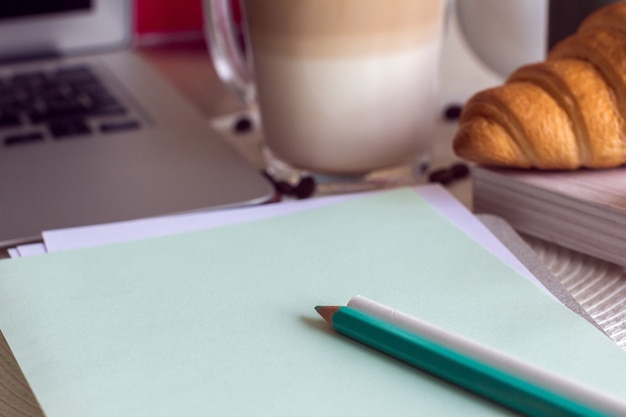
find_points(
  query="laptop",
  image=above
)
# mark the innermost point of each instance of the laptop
(90, 134)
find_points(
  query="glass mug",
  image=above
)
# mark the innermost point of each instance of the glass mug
(344, 88)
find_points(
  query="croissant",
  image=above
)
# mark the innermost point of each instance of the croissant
(564, 113)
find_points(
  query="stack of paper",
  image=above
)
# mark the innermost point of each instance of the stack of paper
(581, 210)
(221, 321)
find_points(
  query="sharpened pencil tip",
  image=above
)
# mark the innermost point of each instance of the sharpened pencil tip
(327, 312)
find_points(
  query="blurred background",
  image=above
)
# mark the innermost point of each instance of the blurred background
(492, 28)
(160, 20)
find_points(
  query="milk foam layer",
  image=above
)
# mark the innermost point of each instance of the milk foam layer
(351, 115)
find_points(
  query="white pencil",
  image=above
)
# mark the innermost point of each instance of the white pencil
(542, 377)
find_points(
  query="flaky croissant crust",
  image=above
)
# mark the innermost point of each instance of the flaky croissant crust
(566, 112)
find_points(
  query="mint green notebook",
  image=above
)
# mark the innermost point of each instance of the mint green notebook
(221, 322)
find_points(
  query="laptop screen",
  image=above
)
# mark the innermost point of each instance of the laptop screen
(25, 8)
(40, 28)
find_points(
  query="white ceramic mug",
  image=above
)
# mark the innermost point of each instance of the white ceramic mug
(505, 34)
(344, 87)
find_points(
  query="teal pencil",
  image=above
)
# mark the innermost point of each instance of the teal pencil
(497, 385)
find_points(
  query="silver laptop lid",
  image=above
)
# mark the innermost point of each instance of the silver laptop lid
(42, 28)
(171, 162)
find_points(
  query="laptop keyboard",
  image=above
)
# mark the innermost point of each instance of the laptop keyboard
(60, 103)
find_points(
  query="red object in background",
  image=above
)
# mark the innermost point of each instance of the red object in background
(236, 8)
(166, 16)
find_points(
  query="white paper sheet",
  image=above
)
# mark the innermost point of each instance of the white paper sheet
(221, 321)
(95, 235)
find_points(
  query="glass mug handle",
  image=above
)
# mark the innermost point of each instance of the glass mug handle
(226, 38)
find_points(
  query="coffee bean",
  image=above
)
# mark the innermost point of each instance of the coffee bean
(445, 176)
(453, 112)
(460, 170)
(305, 188)
(243, 125)
(284, 188)
(442, 176)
